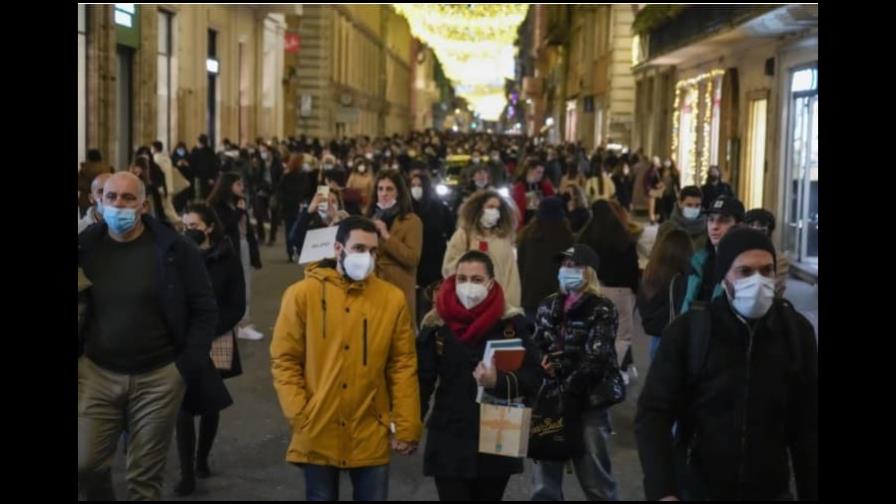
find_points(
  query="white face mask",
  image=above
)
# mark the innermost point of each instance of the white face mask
(417, 193)
(690, 213)
(358, 266)
(386, 206)
(369, 155)
(470, 294)
(490, 217)
(753, 296)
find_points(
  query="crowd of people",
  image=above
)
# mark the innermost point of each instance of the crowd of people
(538, 242)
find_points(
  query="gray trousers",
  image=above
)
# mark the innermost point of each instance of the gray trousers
(108, 403)
(592, 469)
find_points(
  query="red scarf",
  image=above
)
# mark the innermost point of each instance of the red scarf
(469, 326)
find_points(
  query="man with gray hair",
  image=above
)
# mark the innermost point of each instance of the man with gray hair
(150, 320)
(94, 214)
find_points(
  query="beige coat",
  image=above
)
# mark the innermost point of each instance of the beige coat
(398, 257)
(502, 253)
(592, 189)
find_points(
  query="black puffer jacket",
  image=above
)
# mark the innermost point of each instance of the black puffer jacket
(226, 273)
(438, 227)
(754, 400)
(452, 440)
(586, 336)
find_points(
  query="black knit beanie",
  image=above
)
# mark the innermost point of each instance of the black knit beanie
(738, 241)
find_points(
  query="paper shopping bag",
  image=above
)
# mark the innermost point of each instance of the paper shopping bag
(504, 430)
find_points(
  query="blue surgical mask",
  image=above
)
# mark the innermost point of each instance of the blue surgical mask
(690, 213)
(120, 220)
(571, 279)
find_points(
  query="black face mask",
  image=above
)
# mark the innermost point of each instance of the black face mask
(197, 236)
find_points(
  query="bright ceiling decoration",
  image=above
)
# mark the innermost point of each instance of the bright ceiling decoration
(474, 43)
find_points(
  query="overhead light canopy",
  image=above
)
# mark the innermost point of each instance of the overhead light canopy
(474, 43)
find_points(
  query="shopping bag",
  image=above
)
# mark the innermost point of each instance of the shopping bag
(504, 429)
(557, 430)
(222, 351)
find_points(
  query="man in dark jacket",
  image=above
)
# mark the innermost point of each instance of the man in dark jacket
(148, 332)
(739, 377)
(204, 163)
(687, 217)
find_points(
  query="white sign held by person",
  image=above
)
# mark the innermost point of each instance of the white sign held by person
(318, 245)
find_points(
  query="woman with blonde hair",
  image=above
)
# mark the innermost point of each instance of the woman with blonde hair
(487, 222)
(575, 329)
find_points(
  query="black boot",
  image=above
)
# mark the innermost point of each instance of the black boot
(208, 428)
(186, 486)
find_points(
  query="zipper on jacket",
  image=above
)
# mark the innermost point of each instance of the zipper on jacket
(743, 430)
(365, 341)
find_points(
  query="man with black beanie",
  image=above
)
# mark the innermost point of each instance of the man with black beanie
(739, 378)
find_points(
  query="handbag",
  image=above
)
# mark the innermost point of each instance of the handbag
(179, 183)
(222, 351)
(557, 431)
(504, 429)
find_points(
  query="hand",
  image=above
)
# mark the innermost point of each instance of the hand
(404, 447)
(382, 228)
(315, 202)
(241, 204)
(670, 498)
(486, 376)
(548, 367)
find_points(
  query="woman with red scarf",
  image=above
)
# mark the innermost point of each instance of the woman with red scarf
(470, 311)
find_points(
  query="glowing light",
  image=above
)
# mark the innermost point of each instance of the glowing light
(549, 121)
(504, 191)
(442, 189)
(474, 44)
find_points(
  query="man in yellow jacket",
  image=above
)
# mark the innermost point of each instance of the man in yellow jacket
(344, 363)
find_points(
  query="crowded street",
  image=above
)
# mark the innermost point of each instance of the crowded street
(423, 252)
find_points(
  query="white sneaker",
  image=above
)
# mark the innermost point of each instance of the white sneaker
(250, 333)
(625, 378)
(633, 371)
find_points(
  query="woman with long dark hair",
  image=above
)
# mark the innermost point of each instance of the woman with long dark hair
(203, 227)
(229, 202)
(664, 284)
(618, 272)
(530, 188)
(547, 235)
(401, 235)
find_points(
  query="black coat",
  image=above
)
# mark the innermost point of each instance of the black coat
(188, 308)
(226, 273)
(289, 193)
(536, 249)
(230, 219)
(204, 163)
(452, 441)
(438, 227)
(655, 314)
(616, 269)
(755, 400)
(713, 191)
(578, 218)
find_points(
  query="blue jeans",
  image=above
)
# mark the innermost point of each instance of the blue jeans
(369, 483)
(592, 469)
(654, 346)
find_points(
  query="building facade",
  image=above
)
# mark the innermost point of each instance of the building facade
(577, 78)
(171, 72)
(737, 87)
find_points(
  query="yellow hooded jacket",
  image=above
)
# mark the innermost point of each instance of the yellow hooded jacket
(344, 363)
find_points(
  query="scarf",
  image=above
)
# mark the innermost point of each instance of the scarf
(469, 326)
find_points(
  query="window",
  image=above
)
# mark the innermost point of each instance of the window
(716, 121)
(755, 155)
(805, 80)
(82, 82)
(164, 87)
